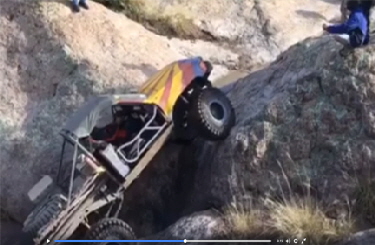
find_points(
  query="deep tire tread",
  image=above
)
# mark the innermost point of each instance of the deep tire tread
(47, 212)
(105, 227)
(205, 127)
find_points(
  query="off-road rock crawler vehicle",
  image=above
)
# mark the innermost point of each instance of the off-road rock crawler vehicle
(111, 139)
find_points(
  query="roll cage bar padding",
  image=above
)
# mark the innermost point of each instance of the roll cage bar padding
(137, 139)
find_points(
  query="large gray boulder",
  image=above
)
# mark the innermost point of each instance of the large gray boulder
(305, 128)
(256, 31)
(306, 120)
(203, 225)
(51, 61)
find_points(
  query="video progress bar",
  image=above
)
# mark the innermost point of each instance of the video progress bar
(184, 241)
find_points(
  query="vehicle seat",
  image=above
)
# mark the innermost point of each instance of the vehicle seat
(112, 133)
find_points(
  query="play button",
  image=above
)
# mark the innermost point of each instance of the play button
(48, 240)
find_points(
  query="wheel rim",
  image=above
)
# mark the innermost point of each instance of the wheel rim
(217, 111)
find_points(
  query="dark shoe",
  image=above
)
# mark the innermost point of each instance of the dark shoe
(84, 5)
(75, 8)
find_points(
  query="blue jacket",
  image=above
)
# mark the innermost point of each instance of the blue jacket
(358, 19)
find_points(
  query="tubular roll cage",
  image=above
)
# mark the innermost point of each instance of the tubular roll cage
(137, 140)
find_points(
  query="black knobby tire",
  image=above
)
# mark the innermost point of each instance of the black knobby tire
(110, 229)
(43, 214)
(212, 114)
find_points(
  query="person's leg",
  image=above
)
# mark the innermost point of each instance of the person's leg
(75, 4)
(83, 3)
(344, 39)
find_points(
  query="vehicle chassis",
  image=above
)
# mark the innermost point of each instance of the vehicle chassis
(93, 195)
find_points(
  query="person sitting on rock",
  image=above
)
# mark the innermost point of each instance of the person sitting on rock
(77, 3)
(354, 32)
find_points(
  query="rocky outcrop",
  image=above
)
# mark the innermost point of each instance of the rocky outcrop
(203, 225)
(306, 120)
(51, 60)
(304, 129)
(257, 31)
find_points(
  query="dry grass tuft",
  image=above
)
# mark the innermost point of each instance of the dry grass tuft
(244, 222)
(291, 217)
(303, 218)
(297, 218)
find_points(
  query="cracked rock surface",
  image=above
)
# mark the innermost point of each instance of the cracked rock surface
(257, 31)
(52, 60)
(304, 127)
(305, 119)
